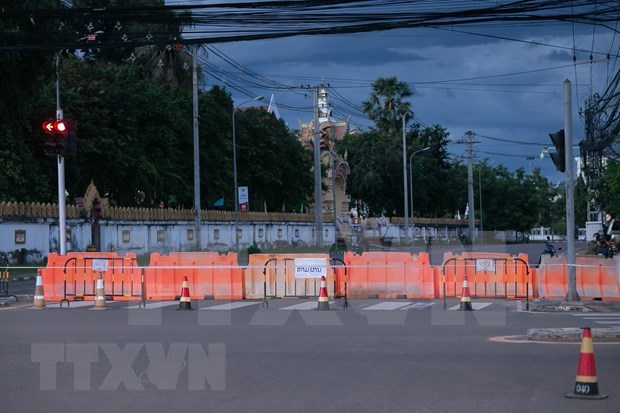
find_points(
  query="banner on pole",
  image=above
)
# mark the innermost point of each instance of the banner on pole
(310, 267)
(244, 198)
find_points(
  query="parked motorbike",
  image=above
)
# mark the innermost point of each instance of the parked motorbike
(605, 245)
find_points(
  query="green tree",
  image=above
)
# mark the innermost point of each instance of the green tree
(438, 190)
(272, 162)
(608, 187)
(387, 104)
(376, 170)
(127, 132)
(22, 75)
(516, 200)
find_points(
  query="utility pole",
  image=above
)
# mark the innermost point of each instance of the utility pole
(197, 215)
(318, 195)
(469, 141)
(333, 161)
(406, 209)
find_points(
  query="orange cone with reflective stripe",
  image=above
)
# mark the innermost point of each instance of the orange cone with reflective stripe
(185, 302)
(586, 384)
(323, 299)
(465, 297)
(39, 299)
(100, 303)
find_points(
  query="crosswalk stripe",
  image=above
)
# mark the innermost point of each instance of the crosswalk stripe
(386, 305)
(73, 304)
(417, 306)
(158, 304)
(231, 306)
(475, 306)
(303, 306)
(598, 315)
(600, 318)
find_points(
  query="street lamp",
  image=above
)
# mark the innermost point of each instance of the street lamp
(411, 183)
(234, 139)
(480, 194)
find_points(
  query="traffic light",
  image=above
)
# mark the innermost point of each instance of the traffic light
(558, 157)
(55, 135)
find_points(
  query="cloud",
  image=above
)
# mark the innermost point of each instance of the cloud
(506, 89)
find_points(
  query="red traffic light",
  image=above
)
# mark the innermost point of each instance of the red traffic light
(60, 126)
(56, 137)
(54, 126)
(48, 126)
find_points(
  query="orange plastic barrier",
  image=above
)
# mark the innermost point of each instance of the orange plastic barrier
(389, 275)
(280, 277)
(596, 277)
(489, 274)
(72, 276)
(210, 275)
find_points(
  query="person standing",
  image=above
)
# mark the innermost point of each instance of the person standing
(608, 225)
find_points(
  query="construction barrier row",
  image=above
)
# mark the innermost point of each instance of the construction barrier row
(387, 275)
(597, 278)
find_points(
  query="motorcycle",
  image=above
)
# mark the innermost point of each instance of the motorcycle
(549, 250)
(605, 245)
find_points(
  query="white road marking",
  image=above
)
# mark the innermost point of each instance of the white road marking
(597, 315)
(475, 306)
(601, 318)
(74, 304)
(387, 305)
(417, 306)
(231, 306)
(311, 305)
(157, 304)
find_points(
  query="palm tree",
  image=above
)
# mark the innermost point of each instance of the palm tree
(386, 103)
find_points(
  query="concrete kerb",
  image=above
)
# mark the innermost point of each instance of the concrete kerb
(573, 335)
(567, 335)
(544, 305)
(6, 301)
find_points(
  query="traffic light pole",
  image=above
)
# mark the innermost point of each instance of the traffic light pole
(572, 294)
(62, 216)
(62, 208)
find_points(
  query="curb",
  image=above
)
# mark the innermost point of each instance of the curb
(573, 335)
(24, 278)
(558, 306)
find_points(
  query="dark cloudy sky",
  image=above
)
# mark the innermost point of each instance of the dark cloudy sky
(509, 89)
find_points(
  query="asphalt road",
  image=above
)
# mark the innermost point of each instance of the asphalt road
(377, 355)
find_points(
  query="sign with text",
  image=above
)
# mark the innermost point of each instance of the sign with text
(100, 265)
(244, 198)
(310, 267)
(485, 264)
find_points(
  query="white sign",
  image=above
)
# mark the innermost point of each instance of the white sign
(310, 267)
(244, 198)
(100, 265)
(485, 264)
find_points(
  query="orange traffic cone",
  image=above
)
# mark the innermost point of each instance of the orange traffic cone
(586, 386)
(39, 299)
(465, 297)
(100, 303)
(185, 302)
(323, 299)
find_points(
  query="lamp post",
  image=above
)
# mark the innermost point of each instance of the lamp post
(234, 139)
(480, 195)
(404, 117)
(411, 183)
